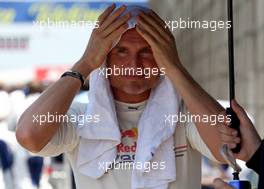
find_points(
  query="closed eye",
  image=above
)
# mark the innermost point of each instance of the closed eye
(146, 52)
(121, 51)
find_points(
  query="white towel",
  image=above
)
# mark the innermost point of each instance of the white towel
(155, 141)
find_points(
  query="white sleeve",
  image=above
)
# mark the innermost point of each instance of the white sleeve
(197, 142)
(195, 139)
(65, 139)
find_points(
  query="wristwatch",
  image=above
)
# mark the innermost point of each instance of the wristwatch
(74, 74)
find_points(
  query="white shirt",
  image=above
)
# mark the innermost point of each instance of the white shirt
(188, 149)
(128, 116)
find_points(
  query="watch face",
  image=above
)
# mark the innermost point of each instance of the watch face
(240, 184)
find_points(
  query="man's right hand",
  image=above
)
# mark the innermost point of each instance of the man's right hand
(102, 38)
(57, 99)
(250, 140)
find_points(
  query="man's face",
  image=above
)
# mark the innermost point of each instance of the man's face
(132, 51)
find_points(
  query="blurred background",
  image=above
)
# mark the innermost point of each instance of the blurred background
(36, 47)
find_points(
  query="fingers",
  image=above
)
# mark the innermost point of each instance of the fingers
(160, 21)
(242, 115)
(226, 139)
(231, 145)
(111, 18)
(118, 32)
(220, 184)
(224, 129)
(146, 35)
(110, 24)
(148, 28)
(106, 13)
(157, 18)
(116, 25)
(154, 24)
(228, 136)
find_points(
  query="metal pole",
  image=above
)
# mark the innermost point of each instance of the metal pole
(231, 51)
(235, 123)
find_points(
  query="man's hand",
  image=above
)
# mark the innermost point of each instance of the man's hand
(162, 42)
(250, 140)
(102, 38)
(220, 184)
(197, 100)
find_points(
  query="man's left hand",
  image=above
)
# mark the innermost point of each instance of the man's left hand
(162, 42)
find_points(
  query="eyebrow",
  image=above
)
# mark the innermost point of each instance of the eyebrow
(120, 46)
(124, 47)
(148, 48)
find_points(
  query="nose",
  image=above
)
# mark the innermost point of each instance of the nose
(134, 62)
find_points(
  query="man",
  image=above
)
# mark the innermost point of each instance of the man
(148, 45)
(252, 149)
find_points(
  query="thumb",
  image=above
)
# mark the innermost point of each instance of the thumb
(241, 113)
(220, 184)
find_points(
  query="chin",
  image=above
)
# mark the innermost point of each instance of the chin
(133, 91)
(134, 88)
(131, 87)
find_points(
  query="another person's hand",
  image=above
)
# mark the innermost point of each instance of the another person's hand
(102, 37)
(250, 140)
(220, 184)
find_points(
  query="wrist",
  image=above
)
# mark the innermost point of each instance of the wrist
(178, 74)
(82, 67)
(76, 75)
(91, 59)
(255, 161)
(173, 68)
(253, 149)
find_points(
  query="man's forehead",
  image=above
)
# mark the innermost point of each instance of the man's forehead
(133, 36)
